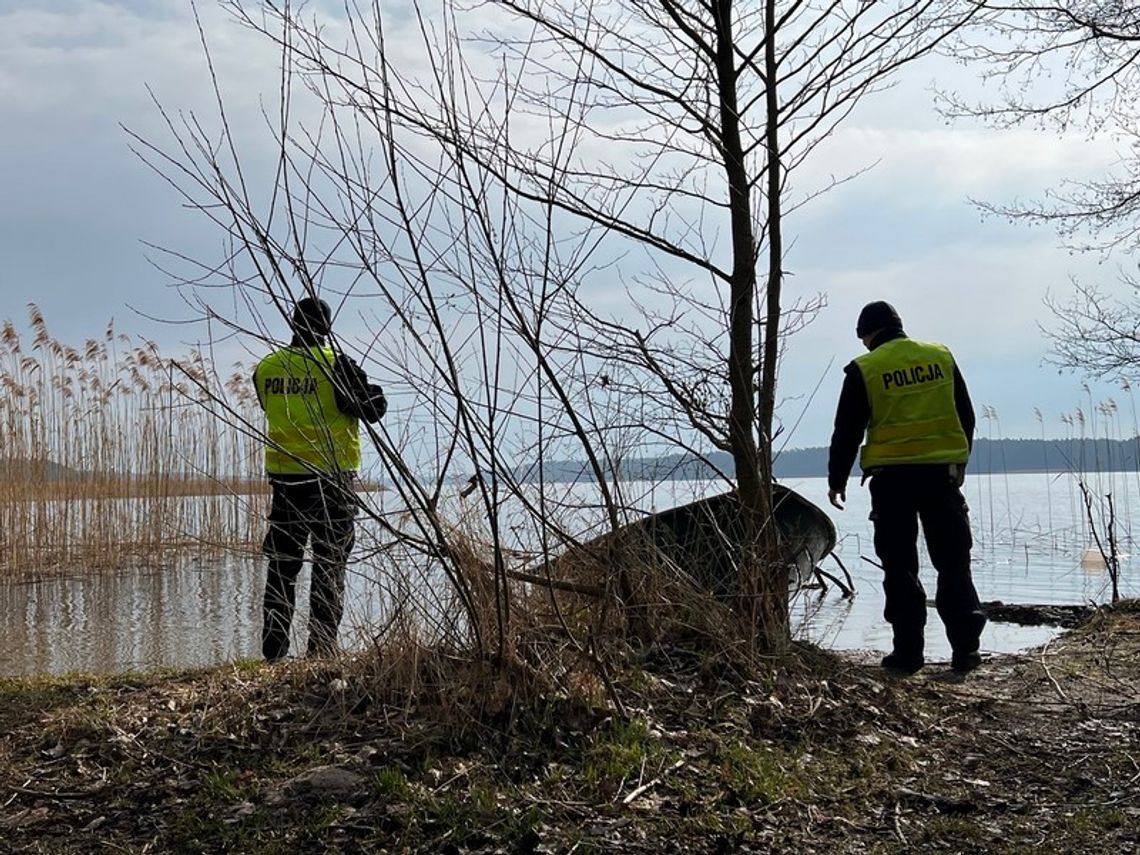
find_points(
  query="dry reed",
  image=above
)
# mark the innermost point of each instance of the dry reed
(112, 454)
(565, 598)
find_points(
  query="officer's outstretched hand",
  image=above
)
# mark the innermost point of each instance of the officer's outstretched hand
(837, 497)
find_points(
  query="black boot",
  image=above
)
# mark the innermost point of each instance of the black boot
(903, 663)
(965, 661)
(906, 657)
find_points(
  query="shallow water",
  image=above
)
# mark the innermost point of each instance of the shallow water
(1030, 536)
(1031, 545)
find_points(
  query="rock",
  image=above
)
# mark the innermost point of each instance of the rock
(326, 782)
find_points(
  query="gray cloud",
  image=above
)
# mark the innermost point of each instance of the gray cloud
(78, 204)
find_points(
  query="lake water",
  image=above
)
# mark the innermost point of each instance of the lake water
(1031, 546)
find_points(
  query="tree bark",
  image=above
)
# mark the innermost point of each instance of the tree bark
(754, 485)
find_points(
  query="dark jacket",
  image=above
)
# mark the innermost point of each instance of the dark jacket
(854, 414)
(355, 396)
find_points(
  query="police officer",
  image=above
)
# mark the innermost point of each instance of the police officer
(910, 400)
(313, 398)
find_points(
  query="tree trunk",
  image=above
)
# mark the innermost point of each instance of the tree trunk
(774, 605)
(757, 558)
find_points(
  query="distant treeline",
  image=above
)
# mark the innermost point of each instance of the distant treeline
(1002, 455)
(18, 469)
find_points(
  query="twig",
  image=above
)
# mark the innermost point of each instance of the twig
(846, 572)
(41, 794)
(898, 823)
(1135, 766)
(1114, 555)
(823, 574)
(1110, 557)
(648, 785)
(16, 792)
(1048, 673)
(558, 584)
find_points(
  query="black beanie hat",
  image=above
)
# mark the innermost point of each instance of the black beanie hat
(879, 315)
(312, 316)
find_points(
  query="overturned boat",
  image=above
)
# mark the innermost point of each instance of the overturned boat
(702, 539)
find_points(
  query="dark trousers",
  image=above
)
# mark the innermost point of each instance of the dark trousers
(320, 512)
(901, 496)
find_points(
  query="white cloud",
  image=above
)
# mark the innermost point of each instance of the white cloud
(936, 166)
(984, 300)
(93, 57)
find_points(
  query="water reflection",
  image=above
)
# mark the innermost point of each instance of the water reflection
(180, 617)
(196, 614)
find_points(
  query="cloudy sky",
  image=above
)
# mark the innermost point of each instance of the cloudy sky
(79, 208)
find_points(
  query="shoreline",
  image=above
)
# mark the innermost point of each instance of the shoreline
(367, 754)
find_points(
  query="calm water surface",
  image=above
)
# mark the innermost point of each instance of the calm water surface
(1030, 534)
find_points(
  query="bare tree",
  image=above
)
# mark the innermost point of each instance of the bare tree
(716, 105)
(1067, 64)
(486, 192)
(1071, 65)
(1096, 333)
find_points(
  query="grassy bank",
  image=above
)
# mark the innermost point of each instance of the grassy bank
(422, 753)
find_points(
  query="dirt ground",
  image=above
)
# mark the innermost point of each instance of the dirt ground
(827, 754)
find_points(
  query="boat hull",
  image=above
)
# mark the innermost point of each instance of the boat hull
(703, 538)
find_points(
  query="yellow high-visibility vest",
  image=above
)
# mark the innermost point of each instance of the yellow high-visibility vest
(305, 430)
(910, 386)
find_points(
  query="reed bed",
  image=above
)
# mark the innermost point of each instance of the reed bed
(111, 454)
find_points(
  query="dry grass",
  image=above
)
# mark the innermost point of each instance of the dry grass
(447, 753)
(112, 452)
(574, 598)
